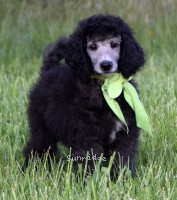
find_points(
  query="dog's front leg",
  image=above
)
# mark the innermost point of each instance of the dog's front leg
(125, 154)
(87, 155)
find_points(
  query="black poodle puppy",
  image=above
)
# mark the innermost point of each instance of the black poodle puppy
(67, 105)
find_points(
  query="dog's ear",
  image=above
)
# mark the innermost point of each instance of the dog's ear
(132, 56)
(55, 53)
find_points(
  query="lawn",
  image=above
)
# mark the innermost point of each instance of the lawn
(26, 27)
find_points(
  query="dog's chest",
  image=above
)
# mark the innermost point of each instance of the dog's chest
(99, 112)
(91, 93)
(115, 130)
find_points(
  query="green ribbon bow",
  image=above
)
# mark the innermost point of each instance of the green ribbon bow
(113, 87)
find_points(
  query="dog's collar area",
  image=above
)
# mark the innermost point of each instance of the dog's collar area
(98, 77)
(103, 77)
(115, 84)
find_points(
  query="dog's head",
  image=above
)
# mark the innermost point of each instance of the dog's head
(104, 53)
(101, 44)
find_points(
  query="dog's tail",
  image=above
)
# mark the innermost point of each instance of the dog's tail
(54, 54)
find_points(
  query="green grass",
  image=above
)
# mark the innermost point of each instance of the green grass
(26, 27)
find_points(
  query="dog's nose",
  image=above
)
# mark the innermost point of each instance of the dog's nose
(106, 66)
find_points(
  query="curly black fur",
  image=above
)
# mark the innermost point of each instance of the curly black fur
(66, 105)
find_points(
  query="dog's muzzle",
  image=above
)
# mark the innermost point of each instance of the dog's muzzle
(106, 66)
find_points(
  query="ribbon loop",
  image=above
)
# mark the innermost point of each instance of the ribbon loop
(113, 87)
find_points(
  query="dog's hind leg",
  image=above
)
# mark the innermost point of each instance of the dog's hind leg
(40, 143)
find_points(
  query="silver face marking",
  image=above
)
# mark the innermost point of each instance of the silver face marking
(104, 54)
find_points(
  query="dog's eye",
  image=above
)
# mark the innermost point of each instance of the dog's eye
(114, 44)
(92, 47)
